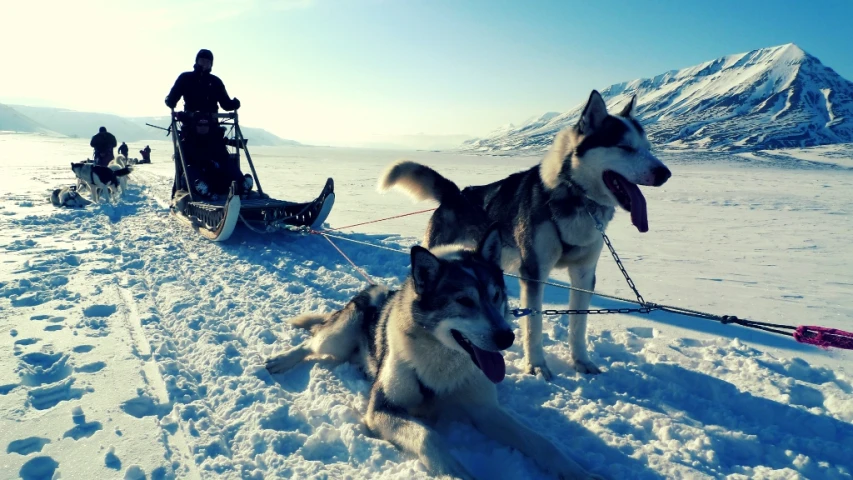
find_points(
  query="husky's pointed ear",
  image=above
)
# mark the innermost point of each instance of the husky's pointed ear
(490, 247)
(425, 268)
(593, 114)
(629, 109)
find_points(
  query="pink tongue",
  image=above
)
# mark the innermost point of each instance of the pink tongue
(639, 215)
(491, 363)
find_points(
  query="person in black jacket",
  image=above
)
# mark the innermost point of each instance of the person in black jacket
(103, 142)
(146, 154)
(201, 90)
(122, 149)
(209, 167)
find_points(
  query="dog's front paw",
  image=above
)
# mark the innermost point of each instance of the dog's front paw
(540, 369)
(586, 366)
(278, 364)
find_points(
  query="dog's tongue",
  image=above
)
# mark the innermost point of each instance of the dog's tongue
(639, 215)
(491, 363)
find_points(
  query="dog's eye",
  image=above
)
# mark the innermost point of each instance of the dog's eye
(466, 302)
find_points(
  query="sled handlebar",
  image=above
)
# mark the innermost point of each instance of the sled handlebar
(226, 115)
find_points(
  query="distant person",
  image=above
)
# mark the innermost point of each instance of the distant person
(146, 154)
(122, 149)
(208, 164)
(103, 142)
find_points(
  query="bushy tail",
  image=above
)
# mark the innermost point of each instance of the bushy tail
(54, 197)
(418, 181)
(124, 171)
(309, 320)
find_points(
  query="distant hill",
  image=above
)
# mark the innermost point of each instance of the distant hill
(72, 123)
(12, 120)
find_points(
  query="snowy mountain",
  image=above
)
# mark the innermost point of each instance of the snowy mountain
(72, 123)
(768, 98)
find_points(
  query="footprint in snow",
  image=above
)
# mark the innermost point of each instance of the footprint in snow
(26, 446)
(38, 468)
(82, 428)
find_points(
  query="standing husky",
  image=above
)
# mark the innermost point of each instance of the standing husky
(116, 165)
(547, 215)
(432, 350)
(98, 178)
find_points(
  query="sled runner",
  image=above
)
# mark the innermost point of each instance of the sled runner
(215, 217)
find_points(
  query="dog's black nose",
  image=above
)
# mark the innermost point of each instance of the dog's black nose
(661, 175)
(503, 339)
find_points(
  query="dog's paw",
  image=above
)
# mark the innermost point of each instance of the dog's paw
(586, 367)
(277, 364)
(540, 369)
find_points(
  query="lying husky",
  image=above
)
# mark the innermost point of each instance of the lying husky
(97, 178)
(67, 197)
(547, 214)
(432, 350)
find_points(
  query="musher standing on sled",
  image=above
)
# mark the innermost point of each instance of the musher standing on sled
(210, 169)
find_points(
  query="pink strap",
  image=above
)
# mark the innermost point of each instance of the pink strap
(824, 337)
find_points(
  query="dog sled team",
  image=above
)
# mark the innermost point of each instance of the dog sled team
(432, 348)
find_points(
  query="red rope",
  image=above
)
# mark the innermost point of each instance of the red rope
(366, 277)
(383, 219)
(359, 270)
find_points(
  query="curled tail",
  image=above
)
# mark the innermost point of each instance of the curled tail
(309, 320)
(418, 181)
(122, 172)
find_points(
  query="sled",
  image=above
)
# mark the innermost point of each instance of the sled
(217, 218)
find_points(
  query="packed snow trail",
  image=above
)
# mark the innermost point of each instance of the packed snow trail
(132, 346)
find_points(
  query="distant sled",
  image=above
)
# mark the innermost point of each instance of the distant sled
(216, 219)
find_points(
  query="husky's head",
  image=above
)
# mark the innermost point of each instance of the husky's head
(77, 167)
(54, 197)
(461, 300)
(607, 156)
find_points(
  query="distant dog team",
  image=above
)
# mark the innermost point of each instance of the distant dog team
(98, 179)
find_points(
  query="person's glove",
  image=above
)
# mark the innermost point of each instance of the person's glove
(169, 104)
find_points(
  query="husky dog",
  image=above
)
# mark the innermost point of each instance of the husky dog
(98, 178)
(67, 197)
(120, 161)
(547, 214)
(117, 164)
(432, 349)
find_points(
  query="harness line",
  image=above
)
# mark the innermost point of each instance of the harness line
(822, 337)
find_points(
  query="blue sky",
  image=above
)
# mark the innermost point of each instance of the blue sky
(361, 71)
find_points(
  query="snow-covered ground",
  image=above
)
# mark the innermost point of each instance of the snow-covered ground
(132, 348)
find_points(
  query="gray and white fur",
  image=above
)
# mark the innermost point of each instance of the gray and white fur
(67, 197)
(97, 179)
(545, 214)
(432, 350)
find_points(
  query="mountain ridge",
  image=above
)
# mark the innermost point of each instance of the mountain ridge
(776, 97)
